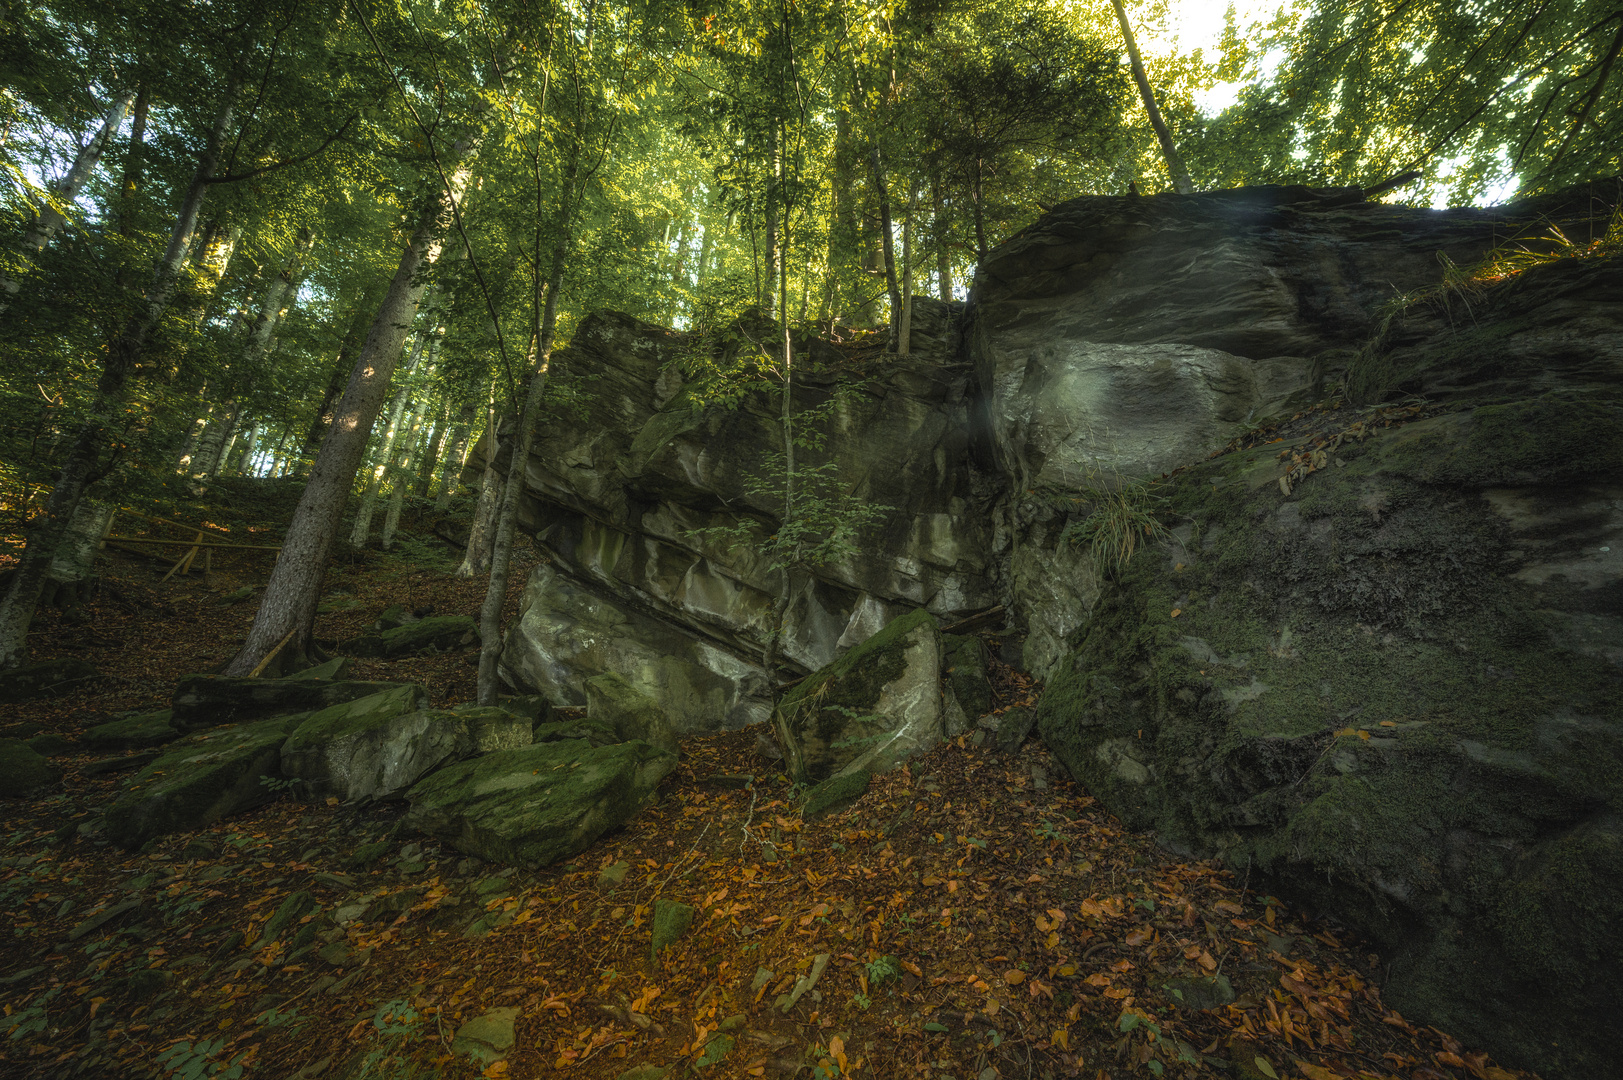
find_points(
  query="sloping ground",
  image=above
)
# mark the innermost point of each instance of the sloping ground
(980, 917)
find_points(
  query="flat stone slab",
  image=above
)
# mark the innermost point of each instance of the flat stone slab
(536, 805)
(200, 780)
(203, 701)
(133, 732)
(488, 1038)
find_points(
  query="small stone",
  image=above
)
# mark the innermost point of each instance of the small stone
(488, 1038)
(731, 781)
(733, 1023)
(611, 876)
(1212, 992)
(671, 921)
(762, 977)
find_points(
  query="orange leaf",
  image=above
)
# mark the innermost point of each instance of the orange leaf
(1013, 977)
(1140, 936)
(1176, 612)
(1449, 1059)
(1316, 1072)
(1061, 1038)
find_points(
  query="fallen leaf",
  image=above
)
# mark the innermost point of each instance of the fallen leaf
(1176, 612)
(1061, 1038)
(1014, 977)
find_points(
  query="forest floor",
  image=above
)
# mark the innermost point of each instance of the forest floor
(973, 916)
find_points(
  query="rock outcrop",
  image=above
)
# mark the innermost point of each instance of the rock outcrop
(619, 500)
(1393, 683)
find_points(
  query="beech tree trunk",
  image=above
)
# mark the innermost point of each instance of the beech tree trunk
(294, 589)
(938, 225)
(83, 462)
(354, 338)
(451, 465)
(887, 243)
(1175, 166)
(363, 515)
(482, 532)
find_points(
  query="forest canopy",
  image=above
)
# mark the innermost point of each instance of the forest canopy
(205, 206)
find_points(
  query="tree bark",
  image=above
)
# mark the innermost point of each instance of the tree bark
(482, 531)
(80, 468)
(353, 339)
(363, 515)
(1180, 174)
(67, 189)
(131, 181)
(451, 464)
(938, 225)
(289, 604)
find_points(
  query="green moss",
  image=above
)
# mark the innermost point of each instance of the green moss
(351, 717)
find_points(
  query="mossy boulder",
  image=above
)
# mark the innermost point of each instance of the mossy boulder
(1398, 691)
(614, 703)
(23, 771)
(374, 747)
(203, 778)
(967, 690)
(203, 701)
(47, 677)
(539, 804)
(133, 732)
(559, 730)
(437, 633)
(871, 708)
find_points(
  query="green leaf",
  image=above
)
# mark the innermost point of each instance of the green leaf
(935, 1027)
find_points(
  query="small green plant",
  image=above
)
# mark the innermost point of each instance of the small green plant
(1121, 521)
(278, 785)
(862, 1001)
(195, 1061)
(882, 970)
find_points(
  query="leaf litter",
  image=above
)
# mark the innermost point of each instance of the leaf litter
(973, 915)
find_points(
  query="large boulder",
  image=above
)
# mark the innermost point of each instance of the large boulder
(1398, 691)
(613, 703)
(201, 779)
(47, 677)
(376, 747)
(24, 771)
(635, 502)
(203, 701)
(873, 707)
(539, 804)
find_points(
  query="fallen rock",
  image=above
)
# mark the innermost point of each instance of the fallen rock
(871, 708)
(376, 747)
(52, 745)
(51, 677)
(200, 780)
(967, 691)
(536, 805)
(437, 633)
(495, 727)
(23, 771)
(836, 793)
(333, 669)
(1010, 729)
(488, 1038)
(613, 703)
(203, 701)
(132, 733)
(671, 920)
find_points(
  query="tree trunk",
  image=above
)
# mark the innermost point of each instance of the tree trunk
(131, 181)
(451, 465)
(429, 460)
(904, 337)
(887, 243)
(363, 515)
(399, 480)
(67, 189)
(289, 604)
(80, 468)
(938, 225)
(482, 532)
(354, 337)
(980, 213)
(1175, 166)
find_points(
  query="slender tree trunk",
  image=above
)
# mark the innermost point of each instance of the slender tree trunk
(429, 460)
(289, 604)
(1175, 166)
(938, 225)
(80, 467)
(904, 337)
(67, 189)
(131, 181)
(363, 515)
(980, 212)
(353, 339)
(780, 604)
(451, 466)
(482, 532)
(887, 243)
(399, 480)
